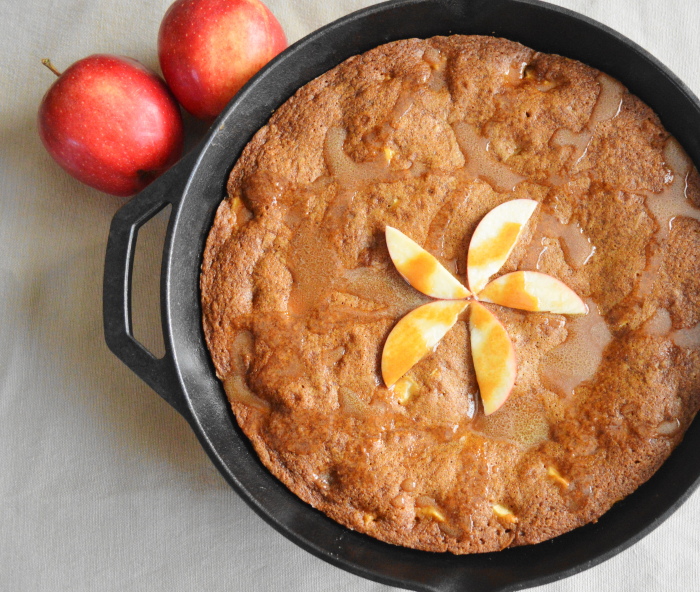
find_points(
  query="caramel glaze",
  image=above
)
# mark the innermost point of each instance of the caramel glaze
(299, 294)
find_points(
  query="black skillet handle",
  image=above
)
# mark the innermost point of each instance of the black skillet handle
(158, 373)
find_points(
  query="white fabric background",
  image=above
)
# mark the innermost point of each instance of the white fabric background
(104, 487)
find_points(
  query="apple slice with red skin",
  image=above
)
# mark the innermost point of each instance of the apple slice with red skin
(416, 335)
(493, 356)
(494, 239)
(535, 292)
(421, 269)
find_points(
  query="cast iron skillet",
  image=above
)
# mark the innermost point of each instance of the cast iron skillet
(185, 377)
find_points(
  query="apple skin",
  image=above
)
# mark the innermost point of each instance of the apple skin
(208, 49)
(111, 123)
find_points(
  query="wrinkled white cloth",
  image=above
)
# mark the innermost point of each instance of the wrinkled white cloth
(103, 487)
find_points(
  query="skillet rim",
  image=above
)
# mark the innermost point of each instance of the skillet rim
(201, 411)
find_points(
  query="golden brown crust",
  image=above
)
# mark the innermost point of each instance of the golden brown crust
(298, 295)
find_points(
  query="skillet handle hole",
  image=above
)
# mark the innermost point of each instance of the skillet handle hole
(145, 283)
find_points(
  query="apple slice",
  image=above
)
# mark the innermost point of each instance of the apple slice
(533, 291)
(494, 239)
(494, 357)
(416, 335)
(420, 269)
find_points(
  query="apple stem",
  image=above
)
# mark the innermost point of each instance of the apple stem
(50, 66)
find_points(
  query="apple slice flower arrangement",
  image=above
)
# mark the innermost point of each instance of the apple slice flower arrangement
(419, 332)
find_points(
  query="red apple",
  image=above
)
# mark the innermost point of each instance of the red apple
(111, 123)
(208, 49)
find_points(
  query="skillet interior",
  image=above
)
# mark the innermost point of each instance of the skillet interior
(201, 399)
